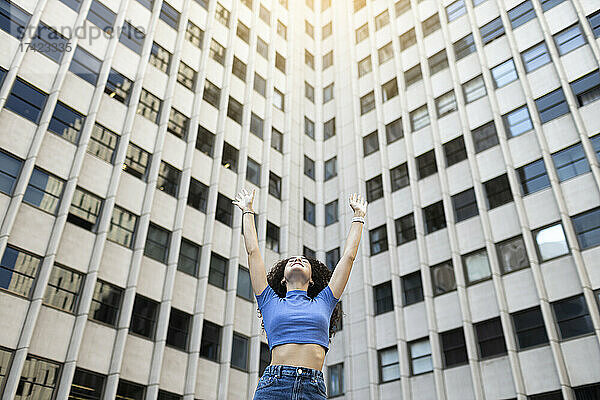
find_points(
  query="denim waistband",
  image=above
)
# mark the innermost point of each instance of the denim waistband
(291, 370)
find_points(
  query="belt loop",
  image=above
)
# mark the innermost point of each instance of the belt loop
(278, 369)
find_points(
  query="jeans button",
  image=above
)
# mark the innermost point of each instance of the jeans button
(299, 370)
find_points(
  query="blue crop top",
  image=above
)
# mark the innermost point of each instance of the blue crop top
(297, 318)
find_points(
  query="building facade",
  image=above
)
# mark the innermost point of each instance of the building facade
(128, 126)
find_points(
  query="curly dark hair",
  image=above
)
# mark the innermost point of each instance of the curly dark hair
(320, 276)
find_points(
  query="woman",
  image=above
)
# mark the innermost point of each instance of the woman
(297, 300)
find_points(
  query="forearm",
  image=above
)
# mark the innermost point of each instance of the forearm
(250, 236)
(353, 239)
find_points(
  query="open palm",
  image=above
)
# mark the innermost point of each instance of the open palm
(244, 200)
(358, 204)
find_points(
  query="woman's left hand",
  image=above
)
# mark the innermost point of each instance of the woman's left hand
(358, 204)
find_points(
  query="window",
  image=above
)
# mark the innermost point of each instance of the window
(465, 205)
(405, 229)
(325, 4)
(465, 46)
(244, 285)
(420, 357)
(277, 140)
(25, 100)
(235, 110)
(385, 53)
(594, 20)
(419, 118)
(14, 19)
(205, 141)
(569, 39)
(265, 15)
(378, 240)
(44, 191)
(309, 92)
(383, 297)
(178, 124)
(413, 75)
(445, 104)
(211, 341)
(309, 59)
(118, 87)
(512, 255)
(239, 351)
(367, 103)
(168, 179)
(442, 278)
(434, 217)
(132, 38)
(399, 177)
(157, 243)
(86, 385)
(393, 131)
(438, 62)
(504, 73)
(455, 10)
(85, 65)
(224, 211)
(332, 257)
(230, 157)
(407, 39)
(374, 188)
(217, 272)
(272, 237)
(361, 33)
(335, 379)
(327, 93)
(194, 34)
(278, 99)
(164, 395)
(330, 168)
(329, 129)
(160, 58)
(253, 172)
(186, 76)
(281, 29)
(331, 213)
(256, 125)
(358, 4)
(327, 60)
(587, 88)
(122, 227)
(179, 328)
(490, 338)
(477, 267)
(169, 14)
(521, 14)
(572, 317)
(239, 68)
(498, 191)
(370, 143)
(389, 366)
(66, 122)
(474, 89)
(412, 288)
(85, 209)
(455, 151)
(280, 62)
(197, 195)
(401, 7)
(484, 137)
(309, 128)
(551, 242)
(570, 162)
(326, 30)
(144, 316)
(39, 379)
(587, 392)
(222, 15)
(382, 20)
(306, 252)
(587, 228)
(529, 328)
(265, 358)
(128, 390)
(535, 57)
(454, 347)
(426, 164)
(492, 30)
(517, 122)
(189, 257)
(149, 106)
(260, 84)
(217, 52)
(309, 211)
(242, 31)
(431, 25)
(533, 177)
(364, 66)
(19, 270)
(54, 44)
(309, 167)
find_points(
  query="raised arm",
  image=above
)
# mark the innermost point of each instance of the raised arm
(344, 266)
(258, 273)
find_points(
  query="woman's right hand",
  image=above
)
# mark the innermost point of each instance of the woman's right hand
(244, 200)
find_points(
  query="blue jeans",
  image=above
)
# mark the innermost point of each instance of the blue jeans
(287, 382)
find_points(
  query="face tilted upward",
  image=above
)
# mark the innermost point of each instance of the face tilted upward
(298, 269)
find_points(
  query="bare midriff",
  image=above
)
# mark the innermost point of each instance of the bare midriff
(308, 355)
